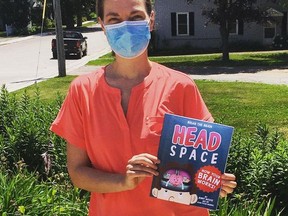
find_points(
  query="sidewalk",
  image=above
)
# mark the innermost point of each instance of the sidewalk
(226, 74)
(14, 39)
(8, 40)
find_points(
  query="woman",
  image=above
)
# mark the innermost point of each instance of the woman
(112, 118)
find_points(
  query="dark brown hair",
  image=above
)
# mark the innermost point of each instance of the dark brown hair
(100, 7)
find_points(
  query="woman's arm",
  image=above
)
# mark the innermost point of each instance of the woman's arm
(84, 176)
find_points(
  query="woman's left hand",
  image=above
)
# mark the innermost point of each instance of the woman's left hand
(228, 181)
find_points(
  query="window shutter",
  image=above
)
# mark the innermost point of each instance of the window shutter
(191, 23)
(240, 27)
(173, 24)
(284, 24)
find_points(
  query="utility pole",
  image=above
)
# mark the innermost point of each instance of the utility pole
(59, 39)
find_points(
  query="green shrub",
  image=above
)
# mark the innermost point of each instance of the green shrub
(25, 135)
(252, 208)
(49, 23)
(92, 15)
(23, 194)
(260, 163)
(280, 42)
(26, 30)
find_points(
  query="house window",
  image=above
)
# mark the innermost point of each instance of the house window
(269, 31)
(182, 23)
(236, 27)
(233, 27)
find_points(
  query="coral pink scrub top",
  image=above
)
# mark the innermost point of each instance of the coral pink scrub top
(92, 118)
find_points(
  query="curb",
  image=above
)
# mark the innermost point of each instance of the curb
(16, 40)
(12, 40)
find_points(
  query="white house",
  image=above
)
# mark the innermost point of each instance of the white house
(180, 25)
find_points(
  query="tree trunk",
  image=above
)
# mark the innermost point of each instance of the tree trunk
(69, 14)
(79, 12)
(70, 22)
(225, 41)
(79, 19)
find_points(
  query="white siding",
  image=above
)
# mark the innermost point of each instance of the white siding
(205, 36)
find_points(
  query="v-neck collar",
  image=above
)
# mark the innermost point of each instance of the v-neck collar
(114, 90)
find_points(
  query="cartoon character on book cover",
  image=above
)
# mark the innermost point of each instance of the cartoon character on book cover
(176, 184)
(193, 156)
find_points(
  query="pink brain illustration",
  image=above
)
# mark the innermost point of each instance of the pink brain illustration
(177, 177)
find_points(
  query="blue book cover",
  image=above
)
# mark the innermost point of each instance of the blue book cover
(193, 155)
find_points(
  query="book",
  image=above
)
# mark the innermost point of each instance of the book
(193, 155)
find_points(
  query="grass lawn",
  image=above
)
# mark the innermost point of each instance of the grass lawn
(2, 34)
(279, 58)
(242, 105)
(48, 89)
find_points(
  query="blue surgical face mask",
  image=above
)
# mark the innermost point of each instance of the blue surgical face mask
(128, 39)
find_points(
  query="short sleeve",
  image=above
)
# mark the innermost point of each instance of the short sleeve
(194, 105)
(69, 121)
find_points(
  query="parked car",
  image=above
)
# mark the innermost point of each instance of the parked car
(74, 44)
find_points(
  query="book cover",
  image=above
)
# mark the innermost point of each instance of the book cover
(193, 155)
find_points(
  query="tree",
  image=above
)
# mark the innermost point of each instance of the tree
(17, 13)
(7, 11)
(37, 10)
(74, 10)
(21, 12)
(225, 12)
(284, 3)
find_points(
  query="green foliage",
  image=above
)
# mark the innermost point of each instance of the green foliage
(36, 180)
(73, 10)
(283, 3)
(54, 86)
(93, 15)
(260, 163)
(280, 42)
(246, 208)
(33, 175)
(23, 194)
(25, 135)
(16, 13)
(26, 30)
(49, 23)
(224, 13)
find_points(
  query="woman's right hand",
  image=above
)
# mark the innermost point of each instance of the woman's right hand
(85, 176)
(139, 167)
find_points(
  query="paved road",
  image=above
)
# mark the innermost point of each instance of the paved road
(27, 59)
(242, 74)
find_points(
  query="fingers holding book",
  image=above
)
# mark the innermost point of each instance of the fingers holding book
(139, 167)
(228, 184)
